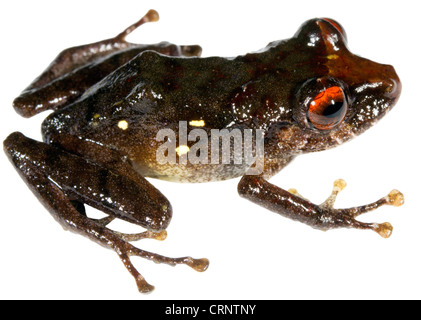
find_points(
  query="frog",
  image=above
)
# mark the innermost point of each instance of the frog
(111, 98)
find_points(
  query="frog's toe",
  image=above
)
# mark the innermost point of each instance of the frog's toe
(330, 218)
(394, 198)
(384, 229)
(338, 186)
(296, 193)
(200, 265)
(143, 286)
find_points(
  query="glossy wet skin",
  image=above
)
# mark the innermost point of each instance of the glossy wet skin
(308, 93)
(271, 86)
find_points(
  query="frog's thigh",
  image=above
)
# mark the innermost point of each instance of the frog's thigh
(134, 200)
(46, 169)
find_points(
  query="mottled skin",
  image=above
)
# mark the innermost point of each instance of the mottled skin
(88, 157)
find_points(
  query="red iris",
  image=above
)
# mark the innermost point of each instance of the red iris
(328, 108)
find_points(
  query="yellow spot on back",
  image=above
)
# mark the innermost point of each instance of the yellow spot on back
(96, 115)
(197, 123)
(332, 56)
(123, 124)
(183, 149)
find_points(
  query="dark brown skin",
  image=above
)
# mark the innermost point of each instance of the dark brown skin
(308, 93)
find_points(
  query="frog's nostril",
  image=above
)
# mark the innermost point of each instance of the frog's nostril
(393, 88)
(393, 85)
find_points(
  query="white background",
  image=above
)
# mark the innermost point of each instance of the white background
(254, 253)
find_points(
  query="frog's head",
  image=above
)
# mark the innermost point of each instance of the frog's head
(342, 95)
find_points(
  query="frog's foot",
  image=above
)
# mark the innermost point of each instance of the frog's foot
(338, 186)
(45, 169)
(394, 198)
(199, 265)
(292, 205)
(119, 242)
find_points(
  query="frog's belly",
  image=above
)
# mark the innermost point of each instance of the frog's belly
(155, 159)
(190, 173)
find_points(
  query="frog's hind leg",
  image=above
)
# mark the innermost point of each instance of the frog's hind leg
(57, 178)
(161, 235)
(75, 69)
(73, 58)
(324, 216)
(78, 68)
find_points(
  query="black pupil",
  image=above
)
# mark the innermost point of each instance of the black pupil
(333, 110)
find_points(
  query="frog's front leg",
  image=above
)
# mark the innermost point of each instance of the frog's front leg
(57, 178)
(324, 217)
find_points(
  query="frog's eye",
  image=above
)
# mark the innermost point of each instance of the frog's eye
(328, 108)
(322, 103)
(338, 27)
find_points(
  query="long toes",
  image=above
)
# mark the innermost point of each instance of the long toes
(338, 186)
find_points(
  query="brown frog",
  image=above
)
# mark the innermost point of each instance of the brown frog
(112, 99)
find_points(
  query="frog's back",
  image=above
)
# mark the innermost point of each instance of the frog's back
(179, 89)
(126, 110)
